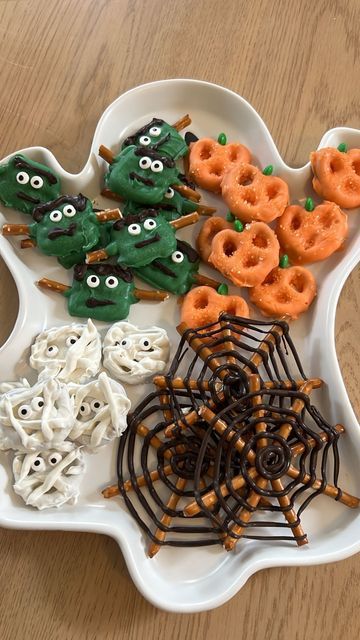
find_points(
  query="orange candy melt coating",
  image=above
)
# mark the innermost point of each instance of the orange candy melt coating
(208, 161)
(251, 195)
(245, 258)
(285, 292)
(337, 176)
(208, 231)
(310, 236)
(203, 305)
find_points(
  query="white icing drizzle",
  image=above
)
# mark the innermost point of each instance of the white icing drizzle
(51, 356)
(95, 426)
(131, 361)
(8, 386)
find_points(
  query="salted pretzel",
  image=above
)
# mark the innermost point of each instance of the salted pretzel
(208, 161)
(285, 292)
(245, 258)
(203, 305)
(310, 236)
(337, 176)
(251, 195)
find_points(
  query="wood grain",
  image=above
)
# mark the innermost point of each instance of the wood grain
(61, 64)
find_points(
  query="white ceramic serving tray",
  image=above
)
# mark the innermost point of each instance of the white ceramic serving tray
(189, 580)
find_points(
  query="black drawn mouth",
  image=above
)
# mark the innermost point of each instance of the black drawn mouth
(145, 243)
(147, 181)
(93, 302)
(25, 196)
(58, 231)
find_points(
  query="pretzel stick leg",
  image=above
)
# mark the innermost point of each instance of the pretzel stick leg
(166, 518)
(52, 285)
(185, 221)
(111, 195)
(109, 214)
(96, 256)
(155, 295)
(187, 192)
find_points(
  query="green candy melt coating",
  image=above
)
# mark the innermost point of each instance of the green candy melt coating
(223, 289)
(267, 171)
(222, 139)
(342, 147)
(142, 175)
(172, 206)
(230, 216)
(309, 204)
(161, 136)
(284, 261)
(141, 238)
(175, 273)
(238, 226)
(102, 292)
(24, 183)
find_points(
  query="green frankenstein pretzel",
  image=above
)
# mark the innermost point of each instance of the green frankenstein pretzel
(24, 183)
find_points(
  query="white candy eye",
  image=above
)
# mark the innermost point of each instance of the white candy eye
(52, 351)
(85, 409)
(69, 211)
(36, 182)
(155, 131)
(177, 256)
(38, 464)
(144, 344)
(145, 163)
(111, 282)
(37, 403)
(96, 405)
(157, 166)
(170, 193)
(150, 224)
(54, 458)
(125, 343)
(145, 141)
(24, 411)
(70, 340)
(93, 281)
(55, 216)
(134, 229)
(22, 177)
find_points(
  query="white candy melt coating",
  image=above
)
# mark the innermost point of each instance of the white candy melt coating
(26, 426)
(7, 386)
(78, 362)
(52, 485)
(95, 426)
(133, 362)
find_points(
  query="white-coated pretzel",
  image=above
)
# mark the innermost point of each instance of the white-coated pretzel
(72, 353)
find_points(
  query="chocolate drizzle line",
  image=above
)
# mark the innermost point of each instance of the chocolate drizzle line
(102, 269)
(21, 163)
(79, 202)
(133, 139)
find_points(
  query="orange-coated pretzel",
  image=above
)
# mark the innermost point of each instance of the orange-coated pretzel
(245, 258)
(208, 231)
(251, 195)
(337, 176)
(285, 292)
(310, 236)
(208, 160)
(203, 305)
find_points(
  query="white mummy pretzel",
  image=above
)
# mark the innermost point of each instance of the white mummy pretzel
(48, 478)
(8, 386)
(34, 418)
(132, 355)
(71, 353)
(100, 410)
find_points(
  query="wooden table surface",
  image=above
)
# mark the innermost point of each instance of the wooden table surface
(61, 64)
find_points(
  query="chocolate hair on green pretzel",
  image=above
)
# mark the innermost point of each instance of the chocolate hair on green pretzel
(160, 136)
(25, 183)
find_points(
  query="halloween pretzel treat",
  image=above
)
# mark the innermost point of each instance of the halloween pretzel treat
(161, 136)
(50, 478)
(100, 409)
(207, 233)
(252, 195)
(337, 176)
(71, 353)
(24, 183)
(285, 292)
(133, 355)
(309, 236)
(172, 206)
(209, 161)
(245, 258)
(203, 305)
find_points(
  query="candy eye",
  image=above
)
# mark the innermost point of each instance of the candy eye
(92, 281)
(37, 403)
(134, 229)
(69, 211)
(52, 351)
(177, 256)
(70, 340)
(125, 343)
(155, 131)
(54, 458)
(38, 465)
(96, 405)
(157, 166)
(144, 344)
(145, 141)
(55, 216)
(149, 224)
(111, 282)
(145, 163)
(22, 177)
(85, 409)
(36, 182)
(170, 193)
(24, 411)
